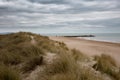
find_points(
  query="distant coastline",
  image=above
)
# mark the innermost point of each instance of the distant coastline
(81, 36)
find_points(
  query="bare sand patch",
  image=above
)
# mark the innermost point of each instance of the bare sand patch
(92, 48)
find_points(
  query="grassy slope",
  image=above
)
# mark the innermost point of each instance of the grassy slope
(49, 60)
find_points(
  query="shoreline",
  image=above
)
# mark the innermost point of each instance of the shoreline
(102, 41)
(106, 41)
(91, 47)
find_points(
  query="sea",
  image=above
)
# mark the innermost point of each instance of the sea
(106, 37)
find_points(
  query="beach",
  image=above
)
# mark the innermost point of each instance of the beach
(92, 48)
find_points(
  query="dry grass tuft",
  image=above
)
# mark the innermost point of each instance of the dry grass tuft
(32, 63)
(7, 73)
(106, 64)
(79, 56)
(65, 67)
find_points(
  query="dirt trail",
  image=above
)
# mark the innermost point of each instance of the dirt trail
(39, 71)
(33, 41)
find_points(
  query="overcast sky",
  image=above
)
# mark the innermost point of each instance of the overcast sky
(46, 16)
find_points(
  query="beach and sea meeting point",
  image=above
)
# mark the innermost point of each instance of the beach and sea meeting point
(59, 40)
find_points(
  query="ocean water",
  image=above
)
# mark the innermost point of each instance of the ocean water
(107, 37)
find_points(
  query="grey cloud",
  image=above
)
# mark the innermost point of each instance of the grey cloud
(50, 1)
(57, 6)
(114, 22)
(16, 6)
(59, 13)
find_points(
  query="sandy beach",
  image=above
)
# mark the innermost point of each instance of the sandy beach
(92, 48)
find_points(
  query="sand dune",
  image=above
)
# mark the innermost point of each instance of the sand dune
(92, 48)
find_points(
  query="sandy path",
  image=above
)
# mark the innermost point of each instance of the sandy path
(33, 41)
(92, 48)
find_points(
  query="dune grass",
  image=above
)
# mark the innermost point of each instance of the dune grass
(9, 58)
(7, 73)
(66, 67)
(31, 63)
(79, 56)
(17, 52)
(106, 64)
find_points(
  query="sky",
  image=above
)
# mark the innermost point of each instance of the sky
(60, 16)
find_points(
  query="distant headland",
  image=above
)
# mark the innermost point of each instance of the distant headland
(81, 36)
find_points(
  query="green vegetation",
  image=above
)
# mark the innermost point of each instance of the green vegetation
(20, 58)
